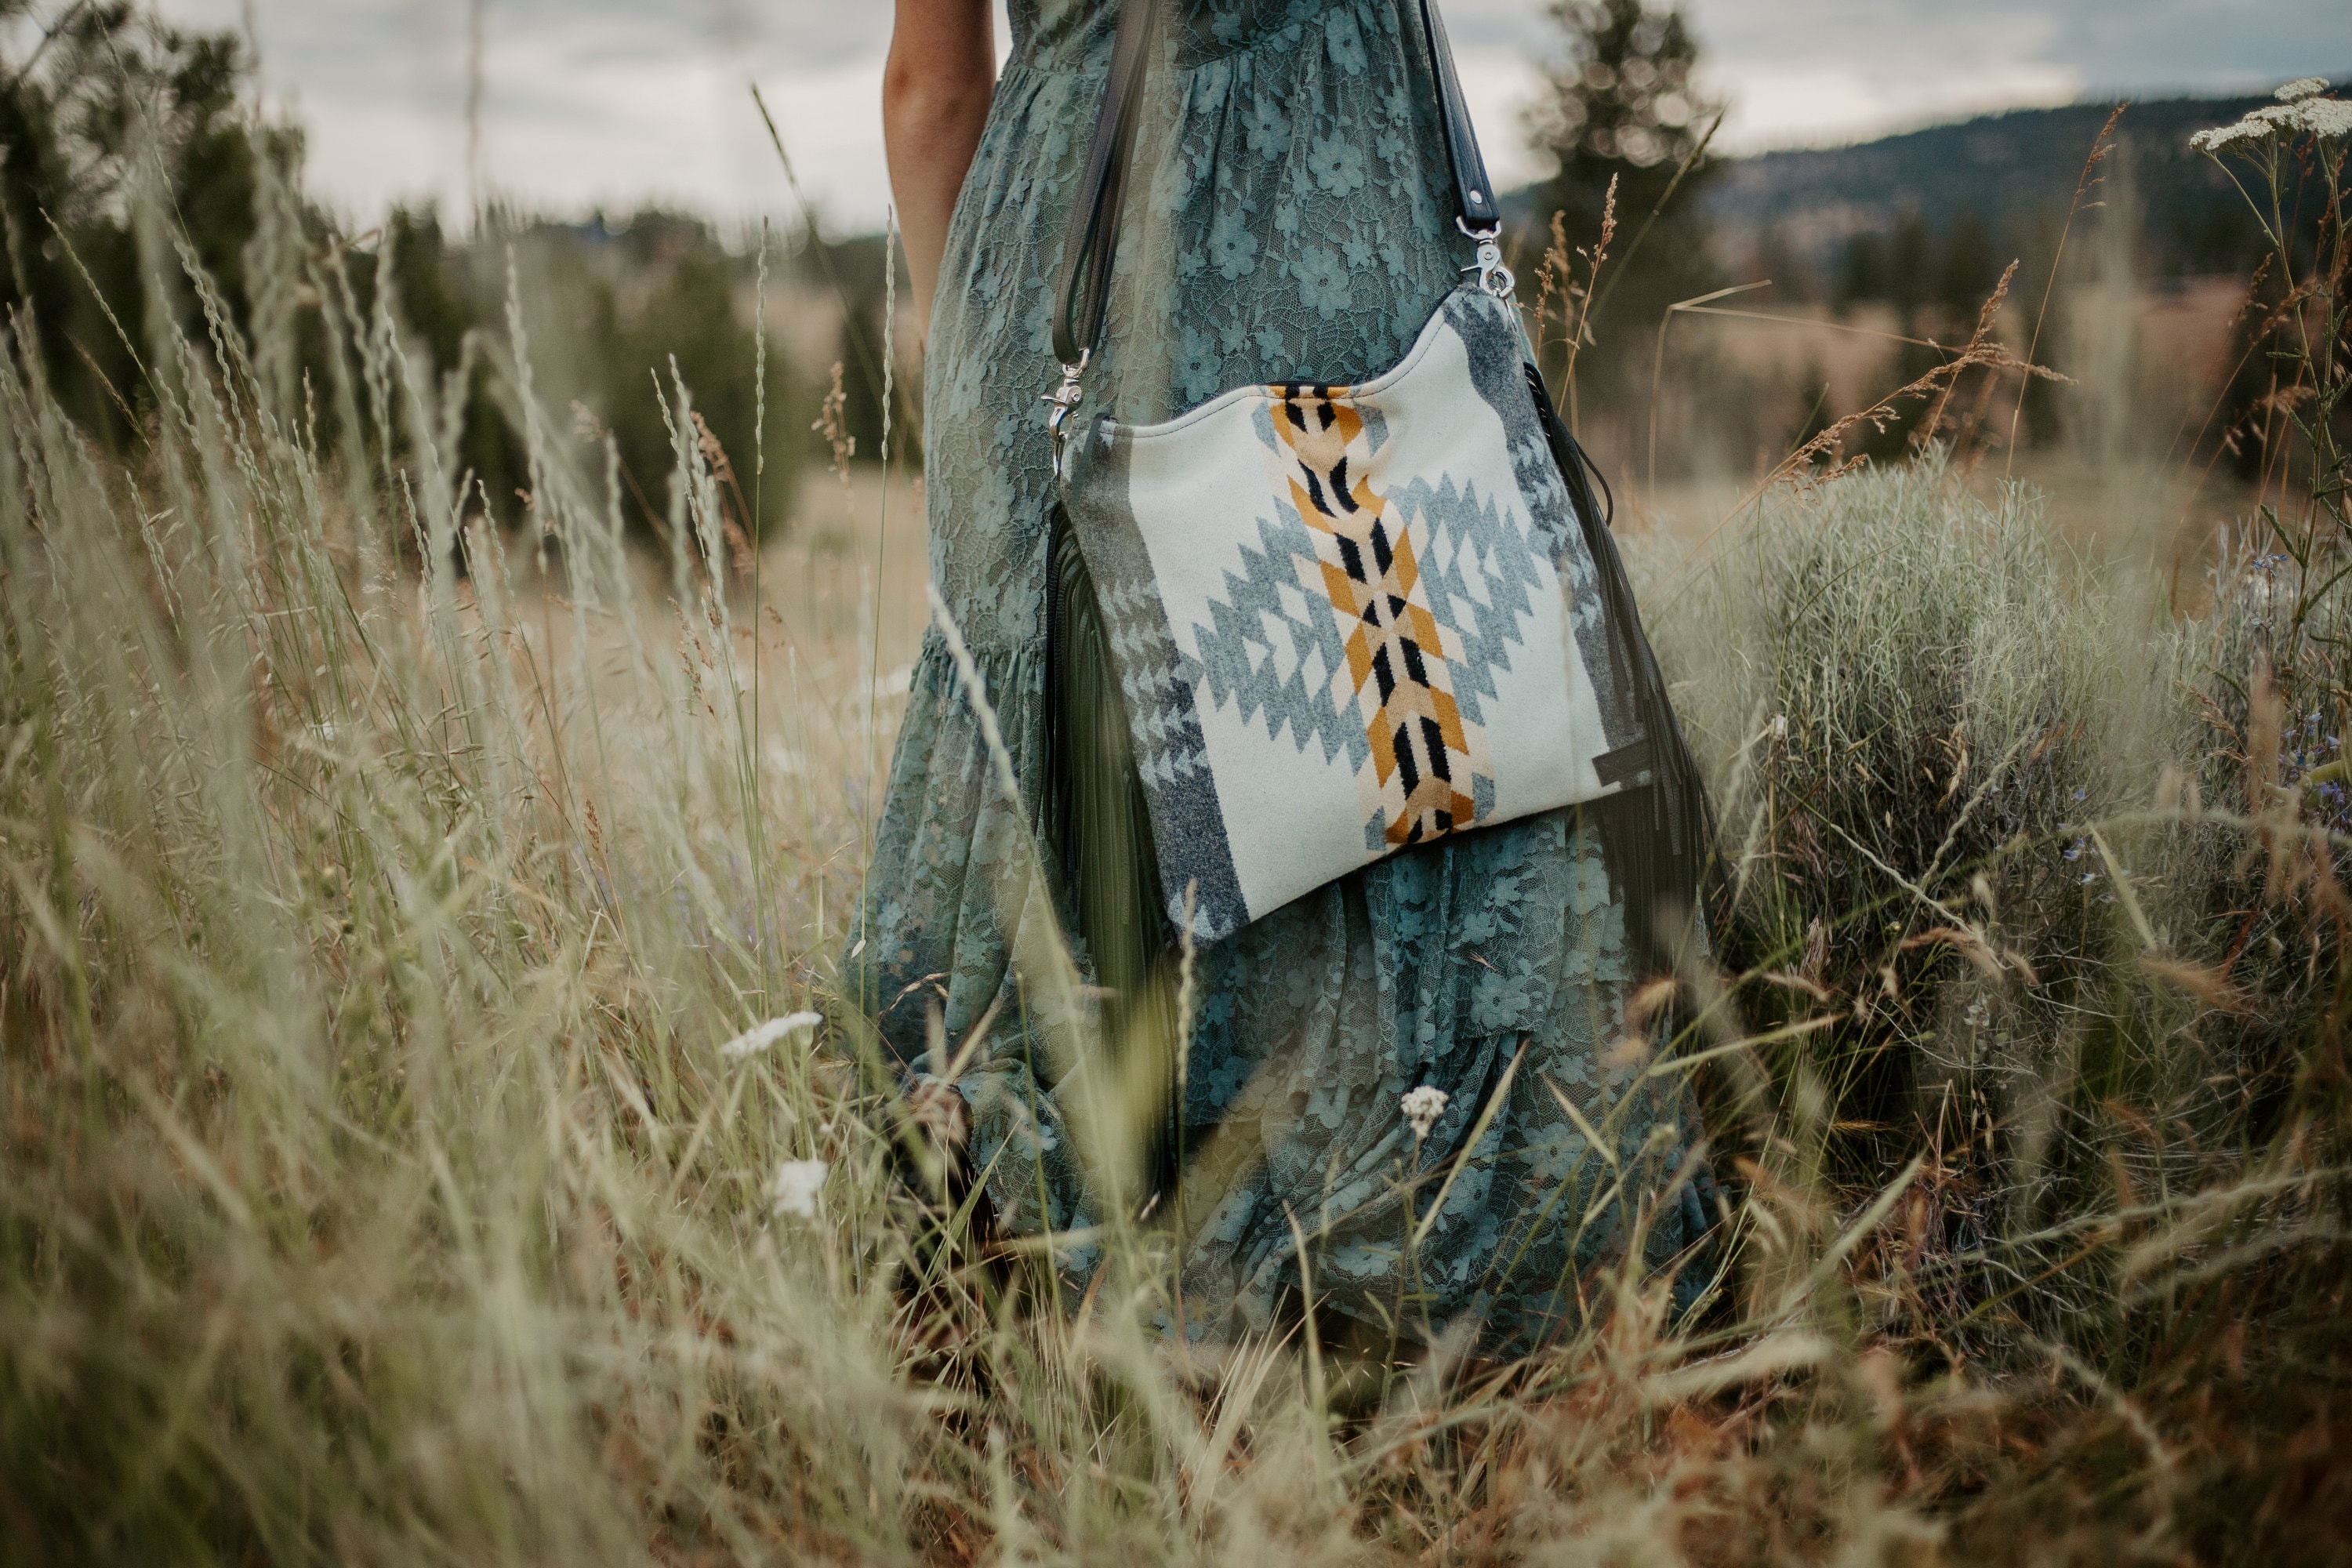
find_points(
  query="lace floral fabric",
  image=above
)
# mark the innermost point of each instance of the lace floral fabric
(1287, 219)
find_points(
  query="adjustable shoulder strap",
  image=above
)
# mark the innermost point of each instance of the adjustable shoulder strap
(1474, 198)
(1083, 288)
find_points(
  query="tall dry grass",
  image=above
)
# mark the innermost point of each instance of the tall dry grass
(379, 897)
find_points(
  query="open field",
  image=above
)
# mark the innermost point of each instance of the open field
(382, 1187)
(2137, 478)
(432, 1129)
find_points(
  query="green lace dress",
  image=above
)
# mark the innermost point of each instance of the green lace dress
(1288, 219)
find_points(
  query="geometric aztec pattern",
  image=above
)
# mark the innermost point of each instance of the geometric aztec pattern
(1425, 765)
(1345, 619)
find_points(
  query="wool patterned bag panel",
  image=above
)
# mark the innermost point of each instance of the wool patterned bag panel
(1350, 619)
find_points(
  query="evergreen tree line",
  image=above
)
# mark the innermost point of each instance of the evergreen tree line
(121, 135)
(1624, 114)
(109, 102)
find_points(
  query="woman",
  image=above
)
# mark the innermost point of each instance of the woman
(1288, 219)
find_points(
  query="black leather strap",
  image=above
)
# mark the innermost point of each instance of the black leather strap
(1474, 198)
(1083, 289)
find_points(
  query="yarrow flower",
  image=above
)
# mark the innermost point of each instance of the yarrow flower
(2221, 138)
(796, 1185)
(2325, 117)
(752, 1041)
(2271, 120)
(1422, 1108)
(2300, 108)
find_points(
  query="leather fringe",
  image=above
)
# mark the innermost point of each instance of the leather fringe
(1101, 833)
(1659, 839)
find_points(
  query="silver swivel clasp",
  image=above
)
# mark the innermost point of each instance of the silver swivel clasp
(1493, 276)
(1065, 399)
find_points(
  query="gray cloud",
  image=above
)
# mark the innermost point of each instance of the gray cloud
(615, 100)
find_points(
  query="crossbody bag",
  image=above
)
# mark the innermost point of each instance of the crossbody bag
(1310, 625)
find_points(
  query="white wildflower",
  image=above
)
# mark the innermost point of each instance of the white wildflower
(2325, 117)
(796, 1185)
(1780, 726)
(1422, 1108)
(752, 1041)
(2221, 137)
(2303, 86)
(1979, 1013)
(2271, 120)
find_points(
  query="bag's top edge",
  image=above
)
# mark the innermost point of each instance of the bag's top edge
(1257, 392)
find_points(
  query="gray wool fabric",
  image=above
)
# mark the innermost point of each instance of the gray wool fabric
(1289, 218)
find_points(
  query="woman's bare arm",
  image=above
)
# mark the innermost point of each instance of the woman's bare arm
(935, 90)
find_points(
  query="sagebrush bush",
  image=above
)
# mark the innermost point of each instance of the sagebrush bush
(1918, 702)
(1963, 773)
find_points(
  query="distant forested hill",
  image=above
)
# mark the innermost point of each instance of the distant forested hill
(2011, 170)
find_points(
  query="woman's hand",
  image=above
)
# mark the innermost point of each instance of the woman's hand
(936, 85)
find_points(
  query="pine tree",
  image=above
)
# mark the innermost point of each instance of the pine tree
(78, 99)
(1910, 268)
(1971, 267)
(1863, 278)
(1623, 106)
(1776, 259)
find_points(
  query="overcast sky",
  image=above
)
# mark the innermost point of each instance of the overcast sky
(616, 102)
